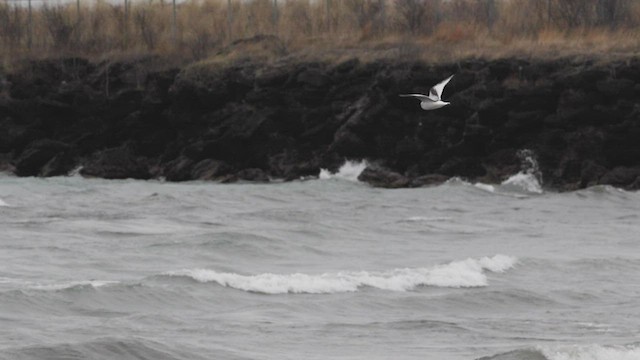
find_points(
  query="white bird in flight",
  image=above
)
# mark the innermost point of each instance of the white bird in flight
(434, 99)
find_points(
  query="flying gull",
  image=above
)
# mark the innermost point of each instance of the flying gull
(434, 99)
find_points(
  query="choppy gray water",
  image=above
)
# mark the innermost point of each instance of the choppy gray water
(319, 269)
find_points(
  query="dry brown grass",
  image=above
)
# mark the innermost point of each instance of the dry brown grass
(431, 30)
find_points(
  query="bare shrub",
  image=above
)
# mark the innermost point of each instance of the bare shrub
(369, 15)
(144, 21)
(59, 25)
(418, 16)
(525, 18)
(12, 26)
(612, 13)
(571, 14)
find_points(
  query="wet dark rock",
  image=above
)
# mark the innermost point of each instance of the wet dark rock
(210, 169)
(247, 121)
(314, 78)
(619, 88)
(116, 163)
(252, 174)
(179, 169)
(621, 176)
(428, 180)
(40, 153)
(383, 178)
(590, 173)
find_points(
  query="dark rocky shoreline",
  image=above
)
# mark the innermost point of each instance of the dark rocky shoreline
(289, 119)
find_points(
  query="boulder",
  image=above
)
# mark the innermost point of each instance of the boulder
(39, 153)
(621, 177)
(210, 169)
(179, 169)
(116, 163)
(383, 178)
(428, 180)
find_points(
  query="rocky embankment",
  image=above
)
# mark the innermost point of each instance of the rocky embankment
(286, 120)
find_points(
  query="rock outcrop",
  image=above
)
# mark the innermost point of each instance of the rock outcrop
(287, 120)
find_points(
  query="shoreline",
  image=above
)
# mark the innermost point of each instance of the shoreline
(241, 119)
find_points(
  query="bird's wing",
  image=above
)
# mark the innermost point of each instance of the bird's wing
(436, 91)
(419, 96)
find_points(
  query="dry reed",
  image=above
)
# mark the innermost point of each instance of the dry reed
(403, 29)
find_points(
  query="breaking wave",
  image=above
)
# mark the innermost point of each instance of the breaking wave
(350, 170)
(529, 179)
(583, 352)
(592, 352)
(457, 274)
(523, 181)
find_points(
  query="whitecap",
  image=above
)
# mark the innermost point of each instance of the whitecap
(350, 170)
(427, 219)
(591, 352)
(485, 187)
(73, 284)
(523, 181)
(529, 179)
(457, 274)
(75, 172)
(2, 203)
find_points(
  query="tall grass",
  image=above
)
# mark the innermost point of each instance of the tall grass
(447, 28)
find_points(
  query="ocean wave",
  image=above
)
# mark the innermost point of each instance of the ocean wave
(71, 285)
(577, 352)
(105, 348)
(523, 181)
(350, 170)
(2, 203)
(428, 219)
(456, 274)
(591, 352)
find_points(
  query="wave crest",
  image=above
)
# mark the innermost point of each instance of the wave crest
(350, 170)
(457, 274)
(523, 181)
(583, 352)
(592, 352)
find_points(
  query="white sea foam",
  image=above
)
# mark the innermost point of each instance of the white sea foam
(457, 274)
(530, 178)
(523, 181)
(73, 284)
(2, 203)
(75, 171)
(592, 352)
(427, 219)
(485, 187)
(350, 170)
